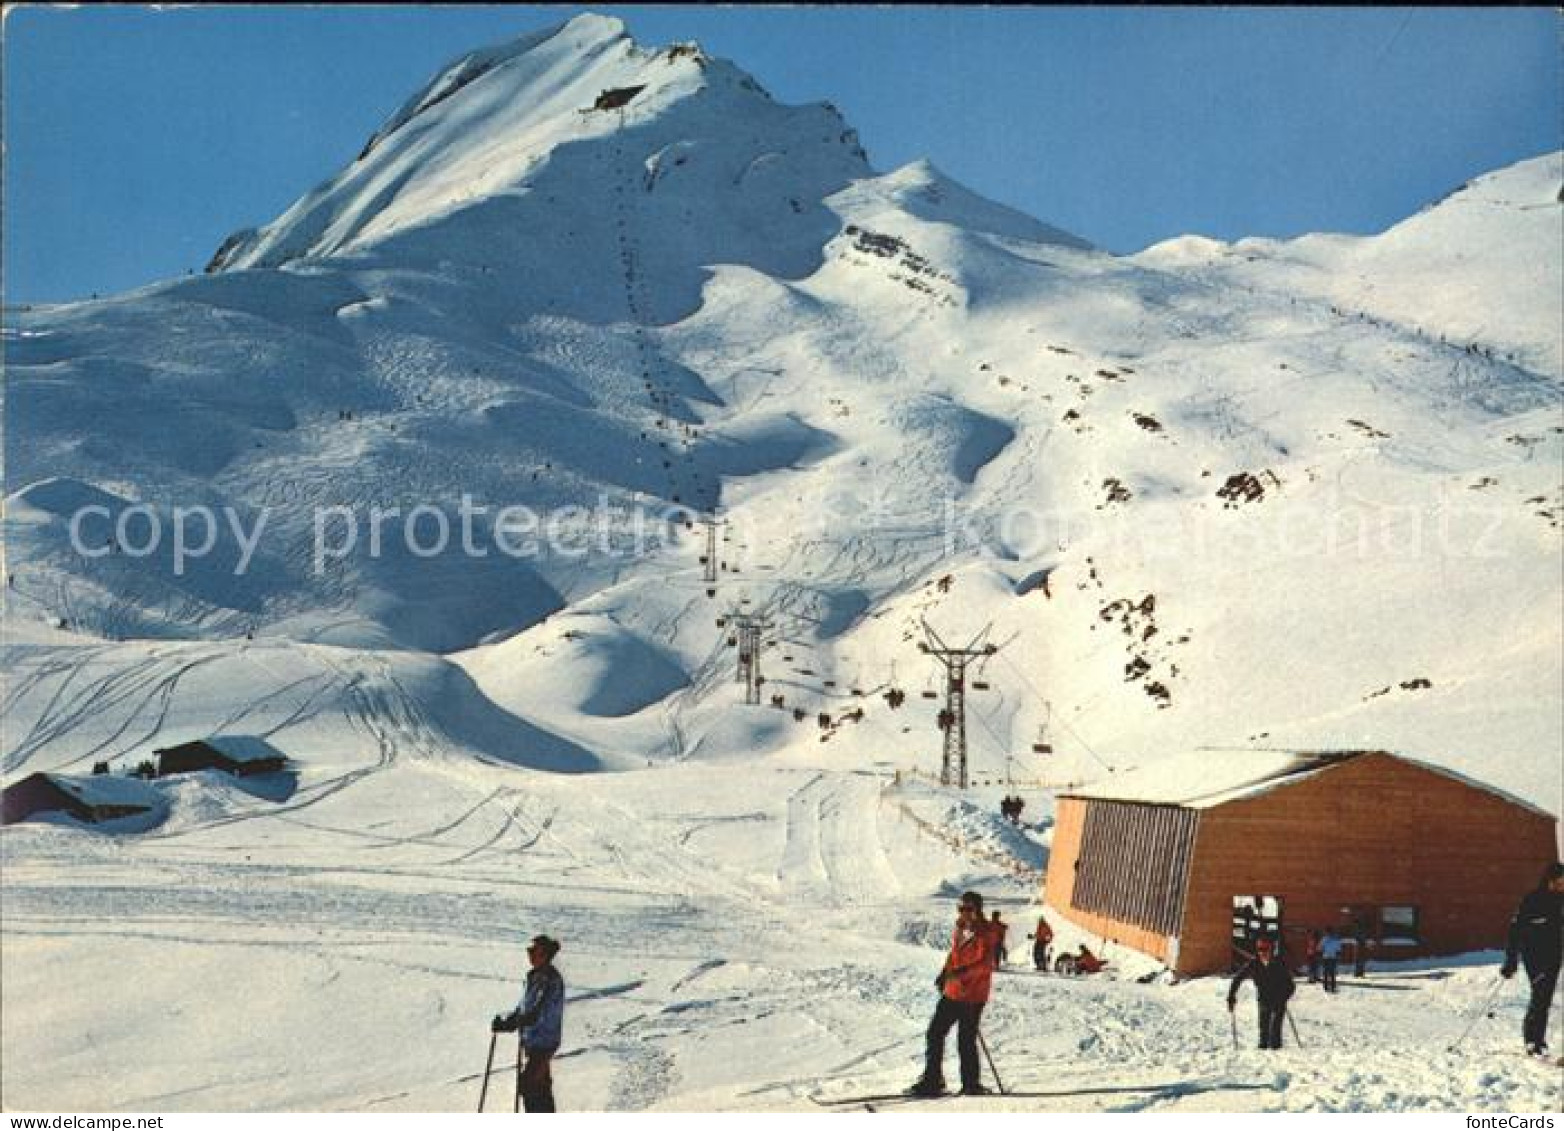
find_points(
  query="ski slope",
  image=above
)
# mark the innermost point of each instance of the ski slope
(733, 941)
(1258, 495)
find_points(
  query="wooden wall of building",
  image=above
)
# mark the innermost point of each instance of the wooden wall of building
(1059, 885)
(1373, 831)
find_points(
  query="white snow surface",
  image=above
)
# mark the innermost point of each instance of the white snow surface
(911, 405)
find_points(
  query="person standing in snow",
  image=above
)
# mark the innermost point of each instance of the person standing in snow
(540, 1015)
(1330, 958)
(1041, 938)
(964, 984)
(1537, 939)
(1311, 955)
(1001, 929)
(1274, 986)
(1360, 945)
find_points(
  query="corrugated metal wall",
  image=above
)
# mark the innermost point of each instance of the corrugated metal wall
(1134, 863)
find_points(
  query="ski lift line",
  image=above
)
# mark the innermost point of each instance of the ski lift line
(1060, 719)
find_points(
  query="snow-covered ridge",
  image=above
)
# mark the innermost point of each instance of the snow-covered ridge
(490, 124)
(1482, 266)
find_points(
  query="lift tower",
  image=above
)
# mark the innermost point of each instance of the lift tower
(748, 629)
(953, 718)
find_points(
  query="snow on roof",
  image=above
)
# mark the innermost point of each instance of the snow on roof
(243, 747)
(107, 789)
(1201, 779)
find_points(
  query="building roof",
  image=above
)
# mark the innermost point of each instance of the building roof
(1203, 779)
(107, 789)
(237, 748)
(243, 747)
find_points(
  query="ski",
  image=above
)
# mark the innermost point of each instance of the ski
(1548, 1061)
(1174, 1087)
(883, 1097)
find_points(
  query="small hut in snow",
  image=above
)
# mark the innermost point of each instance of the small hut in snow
(101, 797)
(617, 98)
(240, 755)
(1187, 859)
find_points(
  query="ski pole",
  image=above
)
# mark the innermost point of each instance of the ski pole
(488, 1066)
(991, 1067)
(1232, 1016)
(517, 1107)
(1478, 1015)
(1294, 1026)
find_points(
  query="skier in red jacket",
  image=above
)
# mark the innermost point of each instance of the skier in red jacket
(964, 986)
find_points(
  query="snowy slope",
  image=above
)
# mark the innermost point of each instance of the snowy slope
(1481, 268)
(1289, 496)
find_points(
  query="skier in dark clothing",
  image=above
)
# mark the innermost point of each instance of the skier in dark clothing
(1360, 947)
(1001, 929)
(1273, 984)
(540, 1016)
(1312, 956)
(1040, 940)
(1537, 939)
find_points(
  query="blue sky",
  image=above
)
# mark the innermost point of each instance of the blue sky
(136, 140)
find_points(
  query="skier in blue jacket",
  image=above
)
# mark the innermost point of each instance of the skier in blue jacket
(1330, 957)
(540, 1015)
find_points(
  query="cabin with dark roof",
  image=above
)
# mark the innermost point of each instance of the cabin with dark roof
(617, 98)
(240, 755)
(1188, 859)
(101, 797)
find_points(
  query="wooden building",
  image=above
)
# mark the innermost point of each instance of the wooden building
(1179, 858)
(617, 98)
(101, 797)
(240, 755)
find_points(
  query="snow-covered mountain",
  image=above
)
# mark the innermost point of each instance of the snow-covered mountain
(1294, 494)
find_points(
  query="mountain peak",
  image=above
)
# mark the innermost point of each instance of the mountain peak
(488, 122)
(921, 189)
(583, 33)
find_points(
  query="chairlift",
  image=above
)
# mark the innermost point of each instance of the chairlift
(1042, 745)
(979, 685)
(931, 694)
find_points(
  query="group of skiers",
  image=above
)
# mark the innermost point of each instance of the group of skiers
(1010, 809)
(1536, 941)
